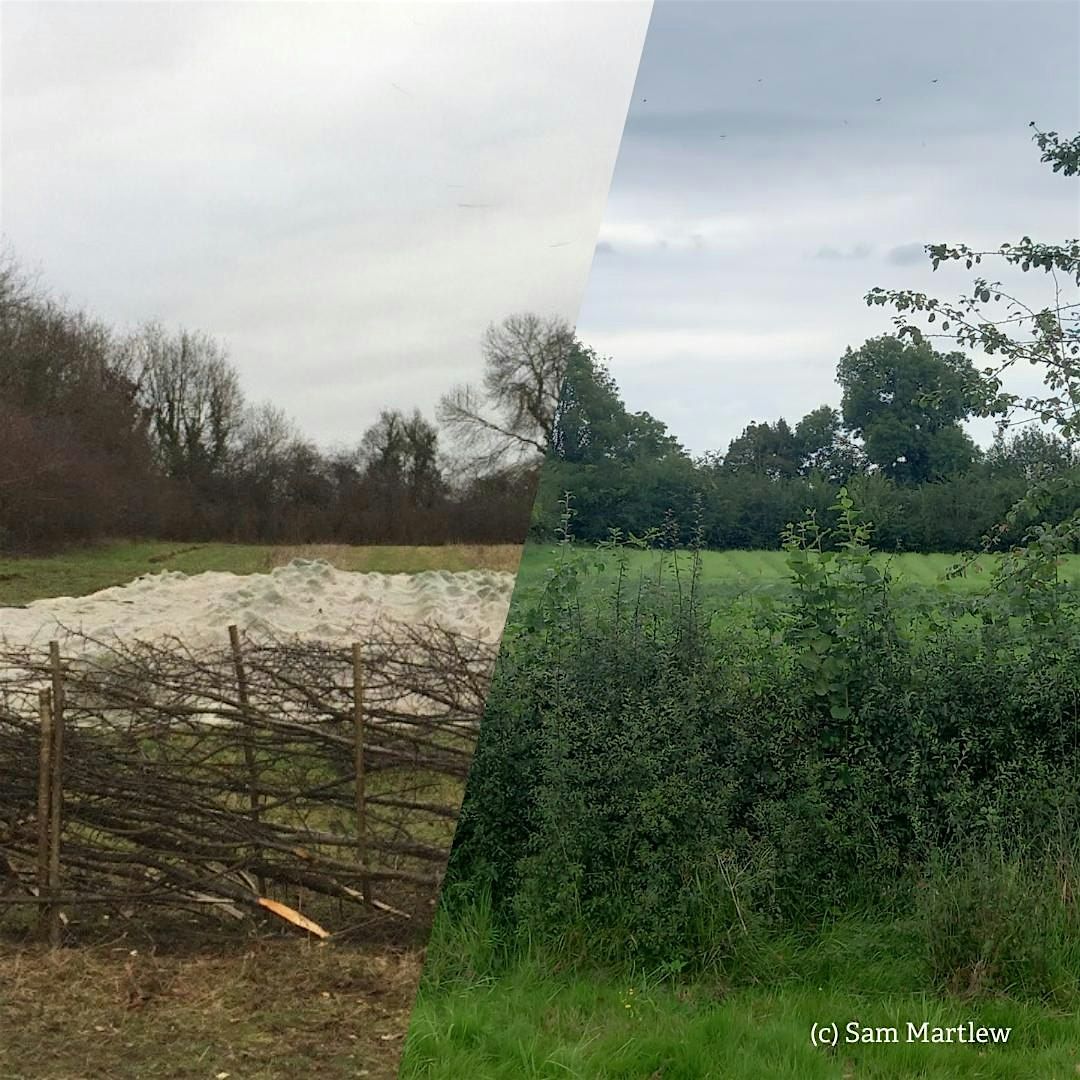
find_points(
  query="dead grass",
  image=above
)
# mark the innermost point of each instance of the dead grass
(256, 1011)
(384, 557)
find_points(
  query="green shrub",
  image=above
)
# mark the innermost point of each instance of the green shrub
(831, 746)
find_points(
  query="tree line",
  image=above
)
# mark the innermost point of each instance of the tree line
(895, 439)
(150, 434)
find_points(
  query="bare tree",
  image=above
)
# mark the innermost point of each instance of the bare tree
(73, 441)
(194, 398)
(400, 456)
(422, 473)
(512, 416)
(264, 437)
(18, 294)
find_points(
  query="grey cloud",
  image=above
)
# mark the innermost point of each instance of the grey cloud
(907, 254)
(701, 126)
(252, 170)
(829, 253)
(804, 213)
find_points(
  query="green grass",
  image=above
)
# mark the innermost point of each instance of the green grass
(729, 574)
(483, 1015)
(79, 571)
(531, 1025)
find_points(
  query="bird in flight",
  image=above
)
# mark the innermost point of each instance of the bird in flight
(877, 99)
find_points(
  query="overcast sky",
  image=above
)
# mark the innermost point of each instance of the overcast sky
(346, 195)
(761, 189)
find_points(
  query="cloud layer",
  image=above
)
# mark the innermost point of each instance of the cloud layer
(762, 188)
(346, 194)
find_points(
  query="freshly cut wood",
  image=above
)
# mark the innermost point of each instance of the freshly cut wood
(291, 915)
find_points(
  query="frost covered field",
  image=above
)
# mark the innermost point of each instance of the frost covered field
(308, 598)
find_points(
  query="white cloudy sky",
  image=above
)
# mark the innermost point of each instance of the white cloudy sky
(293, 178)
(761, 190)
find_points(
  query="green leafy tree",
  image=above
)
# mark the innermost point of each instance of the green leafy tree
(625, 469)
(770, 449)
(1032, 453)
(906, 402)
(825, 448)
(1007, 330)
(593, 425)
(1012, 333)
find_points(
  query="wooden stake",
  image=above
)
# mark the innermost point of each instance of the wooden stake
(249, 748)
(56, 793)
(361, 798)
(44, 803)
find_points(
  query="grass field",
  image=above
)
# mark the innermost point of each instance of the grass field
(79, 571)
(493, 1011)
(730, 573)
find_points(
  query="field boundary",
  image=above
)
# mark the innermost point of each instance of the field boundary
(247, 780)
